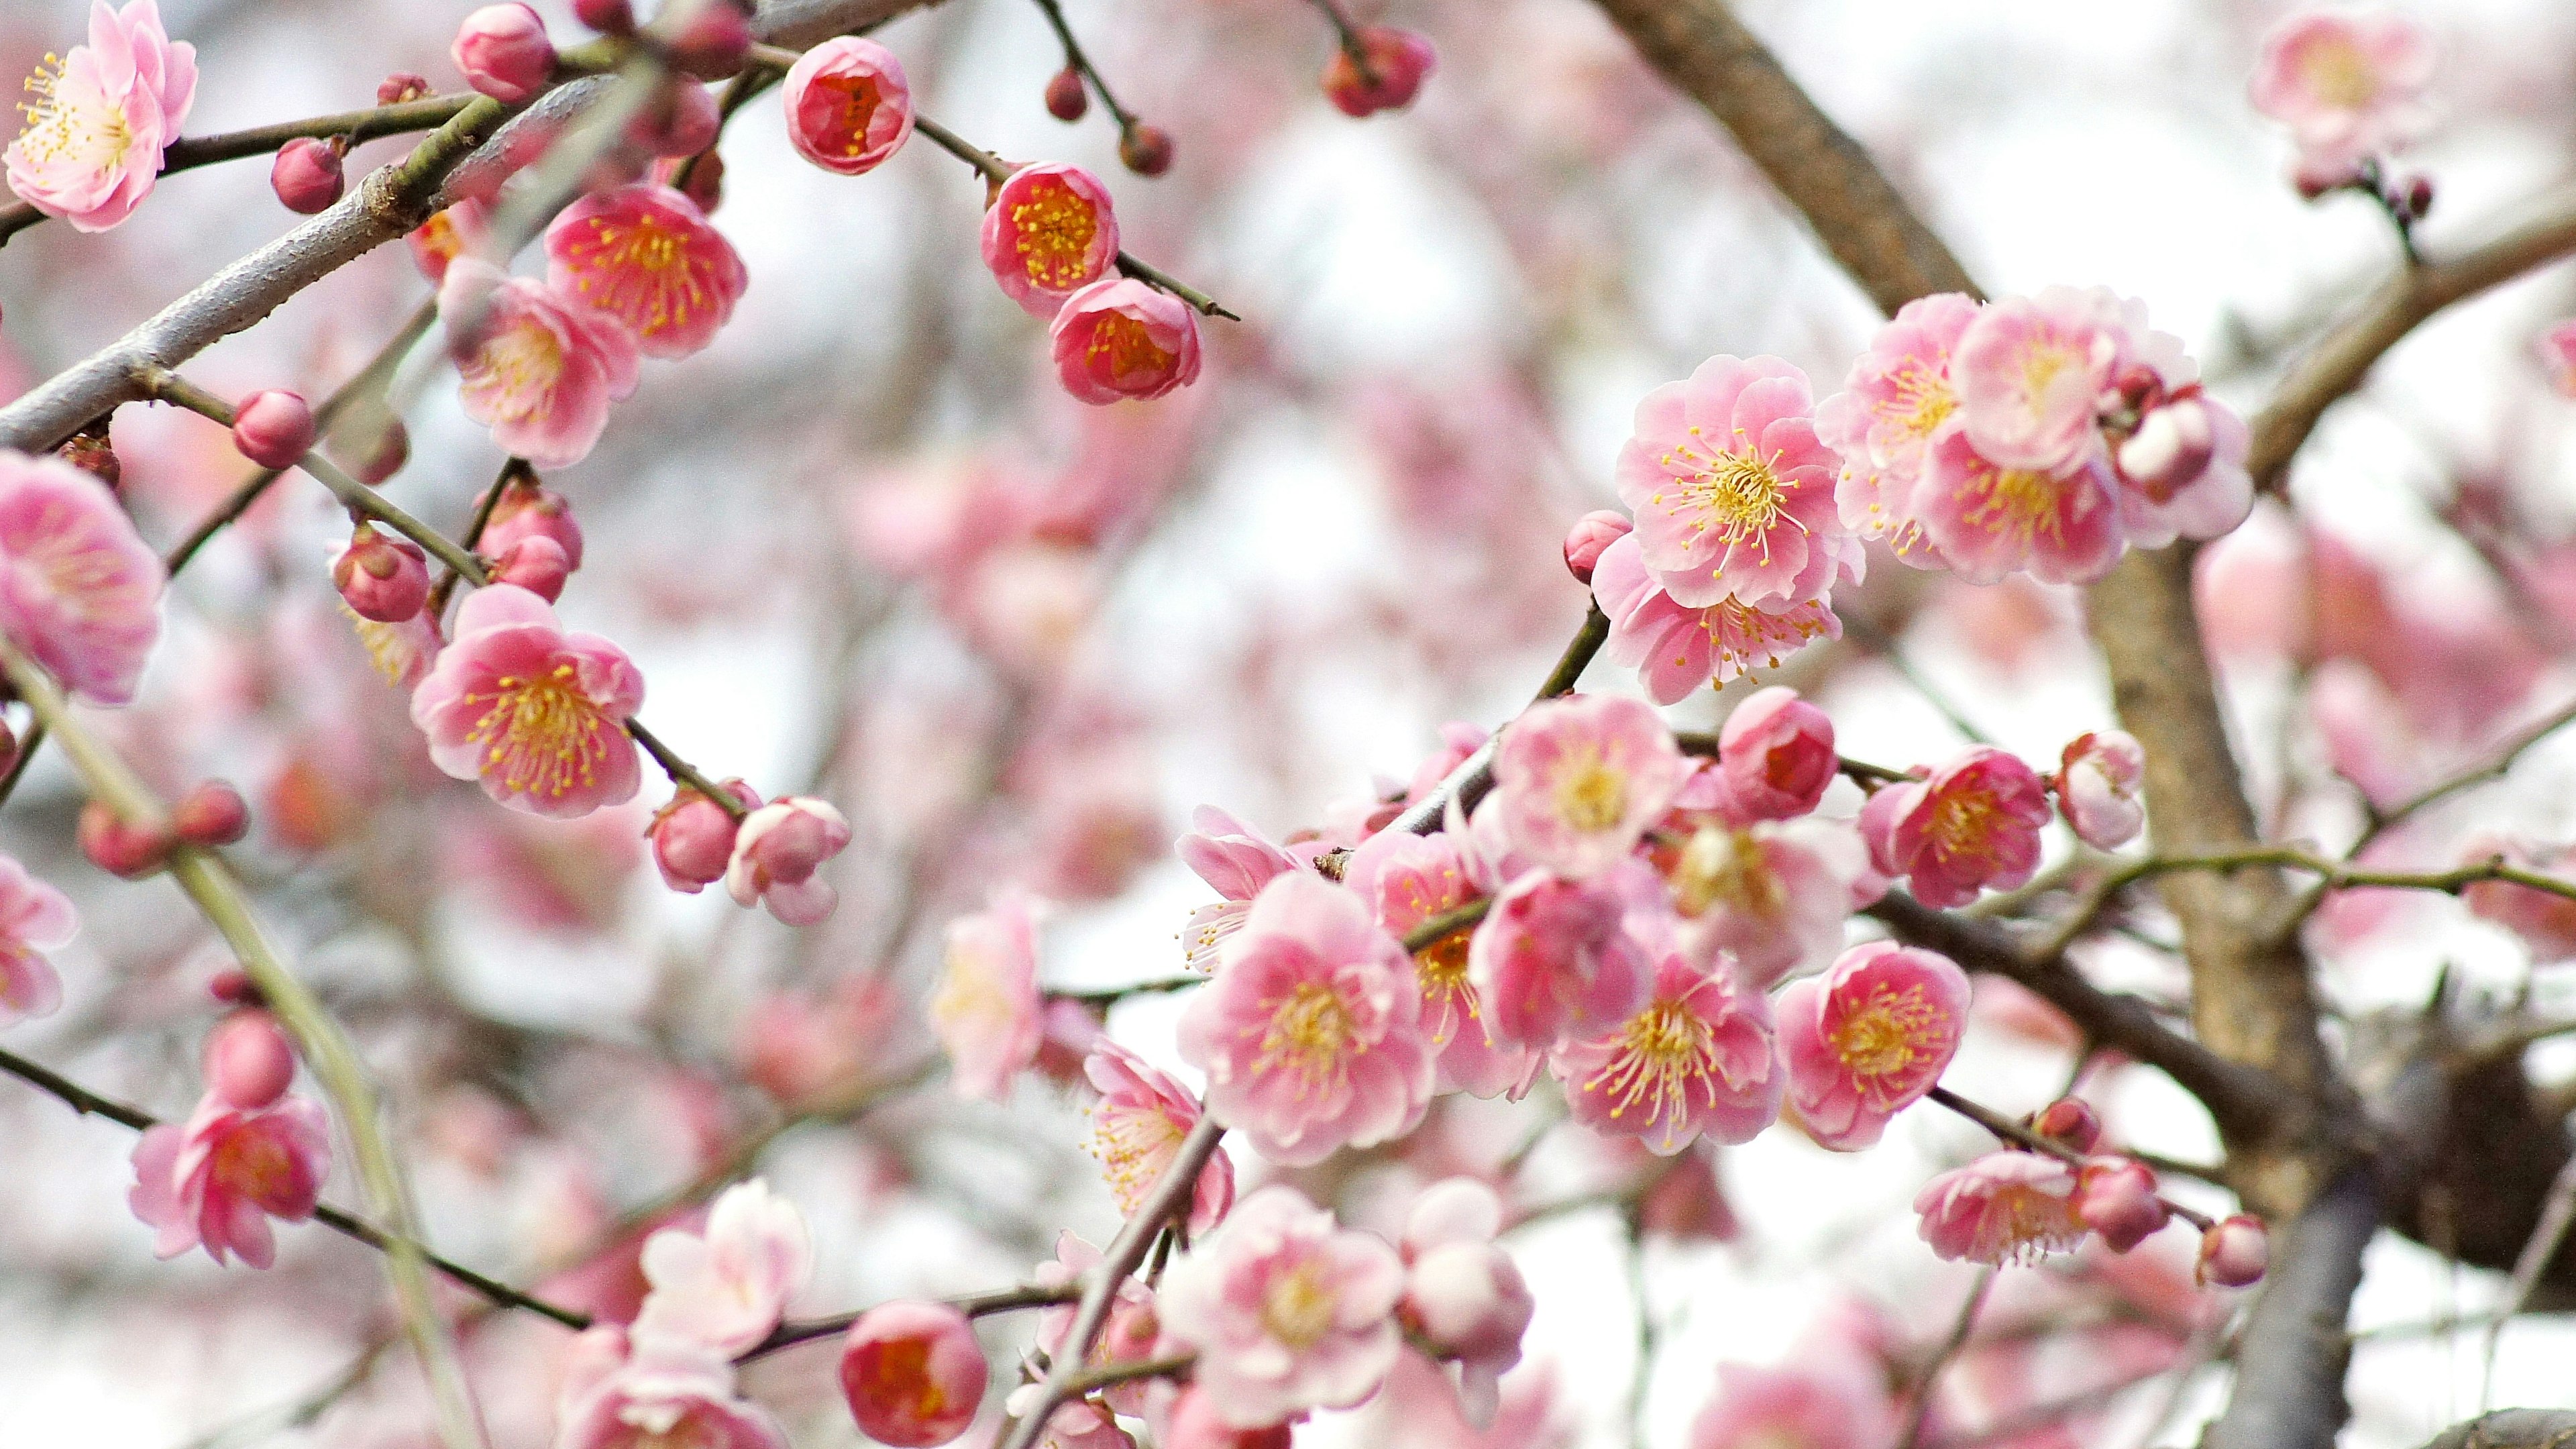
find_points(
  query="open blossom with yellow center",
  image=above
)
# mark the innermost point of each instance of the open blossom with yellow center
(647, 256)
(1049, 233)
(1698, 1059)
(1733, 492)
(1896, 401)
(1136, 1131)
(2005, 1207)
(1869, 1037)
(1119, 339)
(1578, 780)
(1974, 824)
(100, 117)
(535, 713)
(216, 1180)
(1287, 1310)
(848, 105)
(2350, 87)
(536, 367)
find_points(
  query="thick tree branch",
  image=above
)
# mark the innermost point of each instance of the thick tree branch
(2511, 1429)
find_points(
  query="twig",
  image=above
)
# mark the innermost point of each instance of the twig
(1876, 641)
(1920, 1412)
(2557, 1211)
(1076, 60)
(2021, 1136)
(973, 1305)
(1347, 36)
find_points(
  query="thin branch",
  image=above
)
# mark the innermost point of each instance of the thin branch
(1474, 775)
(1080, 63)
(2021, 1136)
(2557, 1212)
(1920, 1413)
(973, 1305)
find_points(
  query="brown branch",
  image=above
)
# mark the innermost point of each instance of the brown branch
(2511, 1429)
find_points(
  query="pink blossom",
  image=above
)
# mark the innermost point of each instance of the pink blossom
(1410, 879)
(2097, 788)
(1310, 1035)
(1800, 1406)
(647, 256)
(502, 51)
(1985, 520)
(1048, 234)
(536, 713)
(1288, 1310)
(1974, 824)
(778, 856)
(2030, 372)
(102, 117)
(527, 509)
(2005, 1207)
(654, 1393)
(1577, 780)
(693, 837)
(216, 1180)
(1697, 1059)
(1236, 861)
(79, 590)
(1075, 1424)
(1868, 1038)
(1136, 1131)
(2557, 348)
(1552, 960)
(2234, 1252)
(537, 369)
(2546, 922)
(1398, 62)
(1676, 649)
(1733, 495)
(1463, 1295)
(1772, 896)
(724, 1288)
(2116, 1198)
(460, 229)
(402, 653)
(913, 1373)
(2349, 87)
(1192, 1420)
(1775, 756)
(986, 1006)
(1118, 338)
(1896, 400)
(848, 105)
(801, 1047)
(34, 918)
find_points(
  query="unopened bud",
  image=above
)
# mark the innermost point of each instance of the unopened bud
(307, 176)
(713, 42)
(2172, 446)
(1146, 150)
(129, 851)
(380, 578)
(1590, 537)
(608, 17)
(1066, 99)
(212, 814)
(248, 1062)
(2070, 1121)
(2116, 1197)
(273, 428)
(535, 563)
(2234, 1252)
(401, 86)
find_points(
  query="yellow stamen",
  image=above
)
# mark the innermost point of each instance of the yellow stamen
(541, 736)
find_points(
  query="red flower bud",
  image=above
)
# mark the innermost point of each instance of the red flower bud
(1397, 62)
(693, 837)
(535, 563)
(1066, 100)
(212, 814)
(248, 1062)
(1146, 150)
(273, 428)
(306, 175)
(504, 52)
(2070, 1121)
(120, 849)
(2116, 1197)
(381, 578)
(233, 987)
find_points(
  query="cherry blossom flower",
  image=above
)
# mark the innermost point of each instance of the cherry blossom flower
(1398, 62)
(2030, 371)
(538, 370)
(1775, 756)
(217, 1179)
(2097, 788)
(1868, 1038)
(1408, 880)
(2349, 87)
(986, 1006)
(34, 918)
(1798, 1406)
(848, 105)
(1985, 520)
(1236, 861)
(79, 590)
(1897, 399)
(1552, 959)
(1772, 896)
(778, 856)
(1463, 1295)
(647, 256)
(913, 1373)
(536, 713)
(651, 1392)
(725, 1287)
(1676, 649)
(382, 579)
(1136, 1131)
(1048, 234)
(1310, 1035)
(1118, 339)
(101, 118)
(1288, 1310)
(1974, 824)
(1697, 1059)
(2005, 1207)
(1577, 780)
(403, 653)
(1733, 495)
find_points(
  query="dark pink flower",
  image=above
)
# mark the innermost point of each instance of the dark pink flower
(646, 255)
(1552, 960)
(247, 1060)
(1577, 781)
(1697, 1059)
(986, 1006)
(1775, 756)
(1974, 824)
(848, 105)
(502, 51)
(217, 1179)
(1985, 520)
(913, 1373)
(102, 117)
(273, 428)
(1136, 1131)
(1118, 339)
(2005, 1207)
(1288, 1310)
(1048, 234)
(778, 857)
(307, 176)
(1733, 495)
(34, 918)
(1675, 649)
(79, 590)
(538, 369)
(534, 712)
(1868, 1038)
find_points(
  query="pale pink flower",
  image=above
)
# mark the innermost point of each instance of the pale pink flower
(1419, 1409)
(2203, 495)
(2557, 349)
(1554, 960)
(1577, 780)
(1236, 861)
(2545, 922)
(1311, 1035)
(2005, 1207)
(2097, 788)
(1136, 1131)
(654, 1393)
(913, 1373)
(1986, 520)
(1795, 1407)
(2030, 373)
(778, 856)
(848, 105)
(1868, 1038)
(725, 1287)
(1463, 1295)
(537, 369)
(986, 1006)
(1733, 495)
(648, 257)
(536, 713)
(2116, 1198)
(2234, 1252)
(34, 918)
(2348, 86)
(1974, 824)
(79, 590)
(1119, 338)
(1076, 1424)
(1775, 756)
(102, 117)
(216, 1180)
(1772, 896)
(1697, 1059)
(1408, 880)
(1676, 649)
(1288, 1310)
(1048, 234)
(1897, 398)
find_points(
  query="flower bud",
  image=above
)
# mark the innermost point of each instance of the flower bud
(1066, 99)
(693, 837)
(233, 987)
(381, 578)
(1591, 535)
(306, 175)
(2116, 1197)
(273, 428)
(504, 52)
(401, 86)
(913, 1373)
(248, 1062)
(2097, 788)
(2234, 1252)
(212, 814)
(2172, 446)
(1397, 62)
(848, 105)
(608, 17)
(713, 42)
(1469, 1300)
(2069, 1121)
(120, 849)
(1775, 756)
(95, 454)
(681, 120)
(527, 510)
(1146, 150)
(777, 853)
(535, 563)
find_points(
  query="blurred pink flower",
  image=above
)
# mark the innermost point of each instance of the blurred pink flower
(2006, 1207)
(1463, 1295)
(1418, 1409)
(651, 1393)
(1697, 1059)
(913, 1373)
(537, 369)
(1552, 960)
(217, 1179)
(647, 256)
(1119, 338)
(34, 918)
(1458, 740)
(1048, 234)
(2349, 86)
(778, 856)
(1799, 1406)
(2545, 922)
(2097, 788)
(1974, 824)
(799, 1047)
(1407, 880)
(1895, 401)
(1772, 895)
(457, 230)
(2029, 372)
(1733, 495)
(1775, 756)
(1398, 63)
(79, 590)
(985, 1008)
(1236, 861)
(102, 117)
(848, 105)
(1311, 1035)
(2557, 349)
(536, 713)
(1136, 1131)
(1288, 1310)
(1578, 780)
(1868, 1038)
(724, 1287)
(1676, 649)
